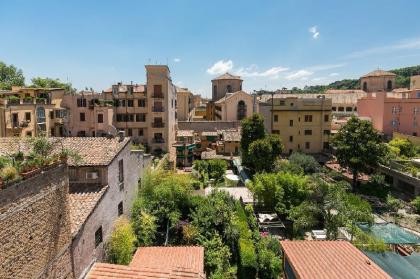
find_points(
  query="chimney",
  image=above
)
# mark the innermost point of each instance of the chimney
(121, 136)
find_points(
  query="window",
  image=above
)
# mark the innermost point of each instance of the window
(100, 118)
(82, 116)
(81, 102)
(308, 118)
(130, 132)
(51, 114)
(52, 132)
(308, 132)
(81, 134)
(365, 86)
(29, 134)
(340, 108)
(290, 138)
(121, 170)
(229, 88)
(334, 108)
(130, 103)
(326, 145)
(141, 132)
(15, 119)
(98, 236)
(142, 103)
(28, 116)
(389, 85)
(327, 132)
(282, 103)
(276, 118)
(291, 123)
(276, 132)
(120, 209)
(214, 92)
(307, 145)
(349, 109)
(241, 113)
(140, 117)
(326, 118)
(157, 89)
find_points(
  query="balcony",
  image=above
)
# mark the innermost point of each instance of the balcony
(158, 125)
(158, 109)
(158, 95)
(158, 140)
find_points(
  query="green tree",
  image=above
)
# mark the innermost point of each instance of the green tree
(304, 216)
(145, 228)
(252, 129)
(10, 76)
(39, 82)
(263, 153)
(210, 169)
(216, 255)
(306, 162)
(403, 147)
(359, 147)
(120, 246)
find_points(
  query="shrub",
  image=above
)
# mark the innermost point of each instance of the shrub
(145, 228)
(416, 204)
(9, 174)
(120, 246)
(394, 204)
(306, 162)
(403, 147)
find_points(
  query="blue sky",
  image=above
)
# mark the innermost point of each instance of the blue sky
(271, 44)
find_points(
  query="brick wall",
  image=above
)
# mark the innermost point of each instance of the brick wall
(35, 227)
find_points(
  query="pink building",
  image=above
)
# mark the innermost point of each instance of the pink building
(396, 111)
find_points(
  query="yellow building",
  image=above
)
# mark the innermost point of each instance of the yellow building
(31, 112)
(304, 124)
(184, 103)
(226, 83)
(234, 107)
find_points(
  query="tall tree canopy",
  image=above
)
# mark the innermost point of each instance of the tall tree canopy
(10, 76)
(252, 129)
(39, 82)
(359, 147)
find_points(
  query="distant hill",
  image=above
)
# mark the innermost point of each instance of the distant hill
(402, 80)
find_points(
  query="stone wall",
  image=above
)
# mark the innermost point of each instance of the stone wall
(35, 232)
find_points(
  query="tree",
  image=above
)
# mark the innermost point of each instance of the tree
(403, 147)
(39, 82)
(264, 152)
(252, 129)
(10, 76)
(358, 146)
(304, 216)
(210, 169)
(306, 162)
(120, 246)
(145, 227)
(216, 255)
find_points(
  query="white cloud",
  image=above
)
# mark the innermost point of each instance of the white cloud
(179, 84)
(252, 71)
(401, 45)
(334, 74)
(301, 74)
(325, 67)
(220, 67)
(314, 31)
(177, 60)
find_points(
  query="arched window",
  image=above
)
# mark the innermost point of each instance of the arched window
(214, 92)
(389, 85)
(229, 88)
(241, 110)
(365, 86)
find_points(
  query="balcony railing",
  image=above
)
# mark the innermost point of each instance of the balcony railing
(158, 109)
(158, 124)
(158, 95)
(158, 140)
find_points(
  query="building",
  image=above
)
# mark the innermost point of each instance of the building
(88, 114)
(197, 100)
(328, 260)
(303, 124)
(147, 113)
(226, 83)
(378, 80)
(229, 142)
(35, 227)
(31, 112)
(233, 106)
(156, 262)
(184, 103)
(396, 111)
(102, 186)
(185, 145)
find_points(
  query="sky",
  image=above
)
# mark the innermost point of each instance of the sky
(272, 43)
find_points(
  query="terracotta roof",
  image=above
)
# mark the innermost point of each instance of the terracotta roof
(122, 88)
(98, 151)
(113, 271)
(231, 135)
(379, 73)
(81, 206)
(230, 95)
(156, 262)
(329, 259)
(227, 76)
(186, 257)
